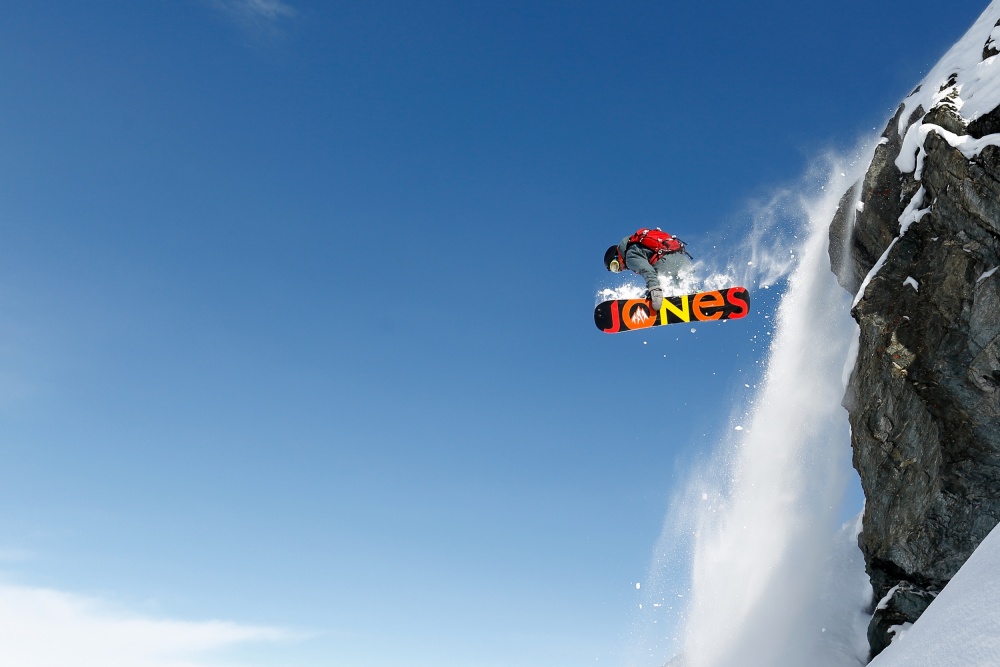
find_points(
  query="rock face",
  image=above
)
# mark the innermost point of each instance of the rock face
(919, 237)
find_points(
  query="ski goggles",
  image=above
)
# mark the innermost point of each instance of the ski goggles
(615, 266)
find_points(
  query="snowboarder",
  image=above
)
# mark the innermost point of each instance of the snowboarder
(652, 253)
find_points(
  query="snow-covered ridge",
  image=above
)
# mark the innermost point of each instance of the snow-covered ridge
(911, 157)
(913, 213)
(969, 85)
(962, 78)
(926, 368)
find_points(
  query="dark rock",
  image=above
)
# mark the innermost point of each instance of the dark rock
(991, 49)
(854, 248)
(985, 124)
(945, 112)
(905, 603)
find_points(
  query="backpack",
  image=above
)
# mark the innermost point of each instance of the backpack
(658, 241)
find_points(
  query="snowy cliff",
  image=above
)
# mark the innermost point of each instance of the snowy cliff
(917, 241)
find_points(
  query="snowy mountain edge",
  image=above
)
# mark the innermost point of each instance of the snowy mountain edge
(917, 242)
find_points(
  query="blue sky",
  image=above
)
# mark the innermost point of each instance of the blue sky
(295, 300)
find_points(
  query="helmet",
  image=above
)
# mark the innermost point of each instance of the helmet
(612, 256)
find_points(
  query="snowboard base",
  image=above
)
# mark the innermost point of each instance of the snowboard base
(620, 315)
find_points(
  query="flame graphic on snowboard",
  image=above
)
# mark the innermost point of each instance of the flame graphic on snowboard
(627, 315)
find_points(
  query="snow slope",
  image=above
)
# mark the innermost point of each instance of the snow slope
(961, 628)
(972, 84)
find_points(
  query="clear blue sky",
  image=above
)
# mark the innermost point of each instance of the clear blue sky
(295, 299)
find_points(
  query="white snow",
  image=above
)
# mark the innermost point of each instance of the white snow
(987, 274)
(911, 214)
(884, 602)
(871, 274)
(961, 628)
(912, 282)
(897, 631)
(626, 290)
(911, 155)
(913, 211)
(977, 82)
(699, 279)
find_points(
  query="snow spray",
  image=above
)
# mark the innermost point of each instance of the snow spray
(753, 559)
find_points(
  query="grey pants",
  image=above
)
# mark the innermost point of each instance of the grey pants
(670, 265)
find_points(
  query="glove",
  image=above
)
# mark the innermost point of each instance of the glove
(656, 296)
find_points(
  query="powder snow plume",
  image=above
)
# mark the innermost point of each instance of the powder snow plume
(742, 575)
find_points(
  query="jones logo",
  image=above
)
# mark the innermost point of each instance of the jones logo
(727, 304)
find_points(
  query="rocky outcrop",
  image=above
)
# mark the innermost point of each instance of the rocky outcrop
(919, 247)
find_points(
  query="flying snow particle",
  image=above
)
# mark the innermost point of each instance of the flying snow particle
(739, 428)
(637, 585)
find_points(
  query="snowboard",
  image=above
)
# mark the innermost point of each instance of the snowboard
(627, 315)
